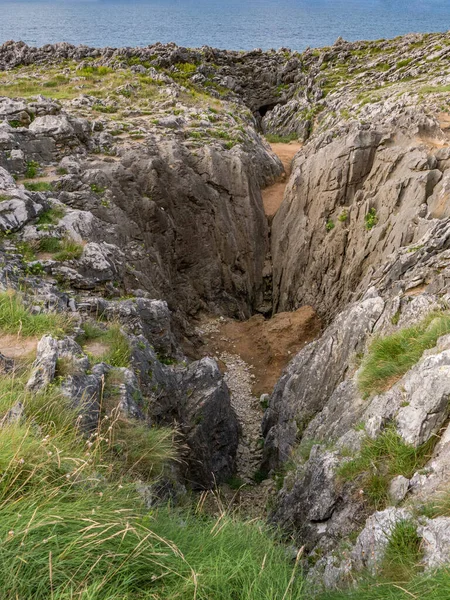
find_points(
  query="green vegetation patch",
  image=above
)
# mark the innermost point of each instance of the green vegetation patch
(371, 219)
(403, 553)
(97, 189)
(62, 249)
(74, 525)
(273, 138)
(433, 586)
(68, 250)
(38, 186)
(16, 318)
(388, 358)
(32, 169)
(342, 218)
(52, 216)
(113, 346)
(382, 459)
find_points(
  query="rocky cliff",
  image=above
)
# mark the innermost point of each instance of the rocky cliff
(130, 197)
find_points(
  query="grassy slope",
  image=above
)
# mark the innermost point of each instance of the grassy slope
(73, 526)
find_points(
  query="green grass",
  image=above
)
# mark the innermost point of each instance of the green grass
(93, 71)
(329, 225)
(38, 186)
(74, 527)
(52, 216)
(117, 348)
(187, 68)
(50, 244)
(430, 89)
(380, 460)
(403, 553)
(233, 560)
(68, 250)
(438, 506)
(63, 249)
(15, 318)
(433, 586)
(281, 139)
(28, 250)
(388, 358)
(404, 63)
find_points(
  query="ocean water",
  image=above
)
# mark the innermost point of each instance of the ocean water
(237, 24)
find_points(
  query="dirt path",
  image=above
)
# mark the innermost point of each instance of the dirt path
(273, 195)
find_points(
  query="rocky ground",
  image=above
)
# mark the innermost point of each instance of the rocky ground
(137, 195)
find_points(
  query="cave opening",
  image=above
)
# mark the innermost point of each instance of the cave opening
(265, 108)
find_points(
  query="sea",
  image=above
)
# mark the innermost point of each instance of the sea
(228, 24)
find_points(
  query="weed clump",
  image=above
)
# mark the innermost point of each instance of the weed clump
(403, 552)
(38, 186)
(371, 219)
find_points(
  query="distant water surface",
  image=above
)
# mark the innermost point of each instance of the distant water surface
(237, 24)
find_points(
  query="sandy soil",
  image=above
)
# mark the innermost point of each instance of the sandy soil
(273, 195)
(13, 346)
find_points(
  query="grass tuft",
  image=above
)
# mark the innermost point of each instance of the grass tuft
(389, 358)
(380, 460)
(69, 250)
(38, 186)
(15, 318)
(116, 352)
(273, 138)
(51, 216)
(403, 553)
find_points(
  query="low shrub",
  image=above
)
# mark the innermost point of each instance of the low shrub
(371, 219)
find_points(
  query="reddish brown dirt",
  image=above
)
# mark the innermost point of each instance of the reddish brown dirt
(273, 195)
(265, 345)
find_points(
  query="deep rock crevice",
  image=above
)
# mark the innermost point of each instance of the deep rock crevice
(172, 212)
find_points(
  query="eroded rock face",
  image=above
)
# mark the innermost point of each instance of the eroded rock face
(350, 203)
(209, 423)
(185, 227)
(312, 376)
(167, 210)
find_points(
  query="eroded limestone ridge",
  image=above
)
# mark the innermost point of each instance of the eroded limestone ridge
(138, 172)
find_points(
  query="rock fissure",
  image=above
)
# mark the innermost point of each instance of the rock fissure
(182, 205)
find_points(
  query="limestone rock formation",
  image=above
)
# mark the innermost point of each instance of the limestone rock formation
(146, 214)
